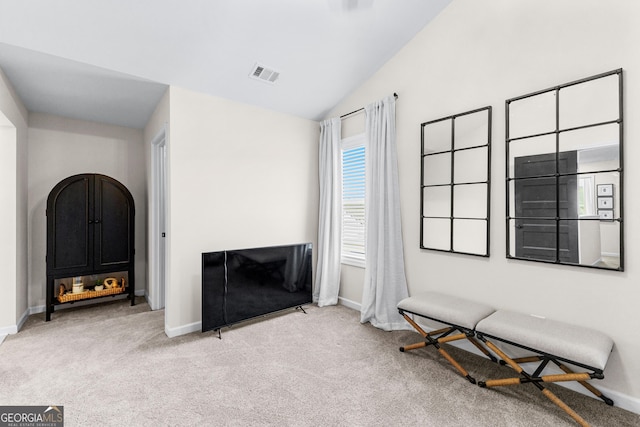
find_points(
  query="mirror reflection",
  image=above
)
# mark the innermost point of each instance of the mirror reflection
(436, 233)
(438, 133)
(532, 115)
(455, 183)
(470, 201)
(564, 185)
(436, 202)
(471, 129)
(592, 101)
(467, 227)
(469, 169)
(436, 169)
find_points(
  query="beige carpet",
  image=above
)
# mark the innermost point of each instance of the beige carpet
(111, 364)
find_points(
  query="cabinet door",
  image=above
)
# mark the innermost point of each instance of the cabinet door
(113, 224)
(70, 238)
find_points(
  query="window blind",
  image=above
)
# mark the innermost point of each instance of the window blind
(353, 209)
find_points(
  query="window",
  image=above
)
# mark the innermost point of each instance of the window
(586, 199)
(353, 193)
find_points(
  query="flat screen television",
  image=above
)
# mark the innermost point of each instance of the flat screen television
(242, 284)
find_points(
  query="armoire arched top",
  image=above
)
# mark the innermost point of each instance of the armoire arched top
(90, 231)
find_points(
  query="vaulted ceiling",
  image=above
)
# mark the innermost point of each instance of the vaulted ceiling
(111, 60)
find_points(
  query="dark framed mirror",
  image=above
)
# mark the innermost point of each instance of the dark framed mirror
(455, 183)
(564, 174)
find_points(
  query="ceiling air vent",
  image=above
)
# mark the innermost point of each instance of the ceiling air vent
(265, 74)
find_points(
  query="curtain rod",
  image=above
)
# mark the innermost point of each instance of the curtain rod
(395, 95)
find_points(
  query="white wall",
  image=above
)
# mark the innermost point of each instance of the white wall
(239, 176)
(479, 53)
(60, 147)
(13, 194)
(8, 169)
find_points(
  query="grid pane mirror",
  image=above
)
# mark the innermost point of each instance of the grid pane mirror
(454, 187)
(564, 174)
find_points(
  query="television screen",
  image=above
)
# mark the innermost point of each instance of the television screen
(241, 284)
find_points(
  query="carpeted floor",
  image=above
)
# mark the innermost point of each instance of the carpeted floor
(111, 364)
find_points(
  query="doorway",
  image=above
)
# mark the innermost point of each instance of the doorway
(541, 199)
(158, 233)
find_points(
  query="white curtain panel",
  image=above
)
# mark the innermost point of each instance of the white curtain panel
(330, 214)
(385, 283)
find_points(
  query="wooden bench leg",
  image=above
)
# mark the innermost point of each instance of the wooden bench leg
(409, 347)
(482, 349)
(525, 377)
(456, 365)
(424, 334)
(432, 338)
(504, 357)
(421, 331)
(586, 385)
(581, 380)
(555, 399)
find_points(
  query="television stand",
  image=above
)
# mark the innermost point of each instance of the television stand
(299, 307)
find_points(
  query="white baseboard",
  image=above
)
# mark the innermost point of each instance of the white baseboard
(611, 254)
(37, 309)
(13, 329)
(8, 330)
(182, 330)
(349, 304)
(146, 298)
(23, 318)
(620, 400)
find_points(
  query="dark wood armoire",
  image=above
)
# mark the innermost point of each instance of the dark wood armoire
(90, 235)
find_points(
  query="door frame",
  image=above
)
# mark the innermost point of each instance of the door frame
(158, 221)
(10, 226)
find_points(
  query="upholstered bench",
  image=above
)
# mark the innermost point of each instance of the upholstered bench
(460, 315)
(549, 341)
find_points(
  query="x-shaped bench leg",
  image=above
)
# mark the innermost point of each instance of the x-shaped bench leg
(436, 338)
(525, 377)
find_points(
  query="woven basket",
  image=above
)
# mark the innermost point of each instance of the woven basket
(89, 294)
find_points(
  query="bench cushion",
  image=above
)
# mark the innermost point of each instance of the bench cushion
(570, 342)
(446, 308)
